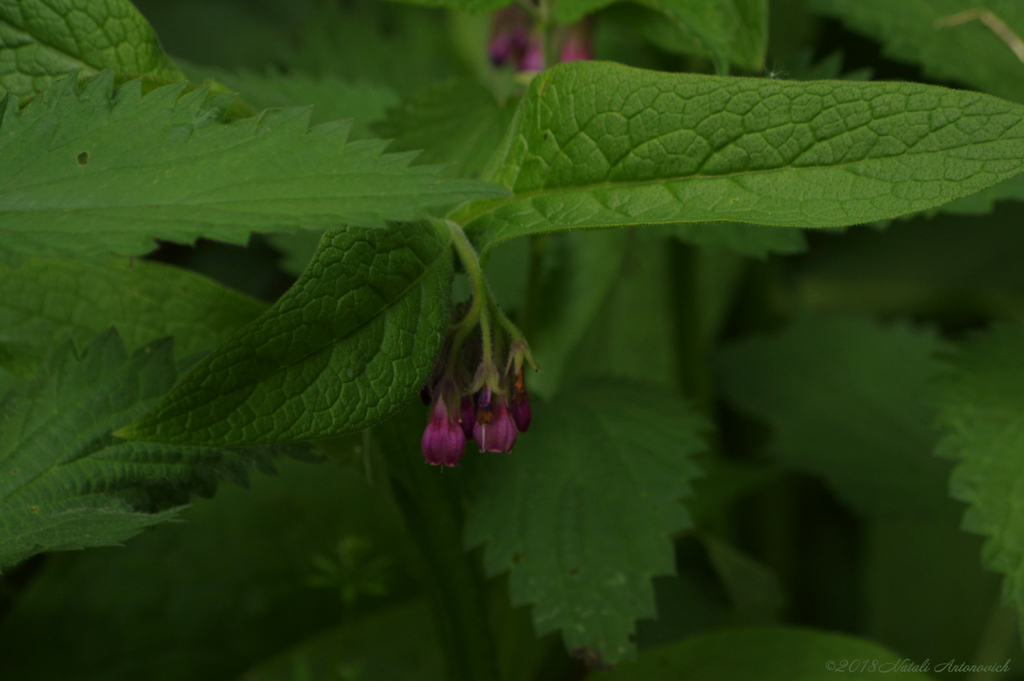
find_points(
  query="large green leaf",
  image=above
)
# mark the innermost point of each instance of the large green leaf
(351, 342)
(778, 654)
(210, 597)
(603, 145)
(94, 171)
(44, 302)
(44, 39)
(581, 514)
(969, 52)
(982, 415)
(65, 481)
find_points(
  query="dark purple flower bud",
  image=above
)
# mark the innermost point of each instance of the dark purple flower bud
(520, 408)
(443, 440)
(499, 433)
(467, 415)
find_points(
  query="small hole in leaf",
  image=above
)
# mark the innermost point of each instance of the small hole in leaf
(516, 557)
(15, 471)
(33, 509)
(574, 571)
(83, 158)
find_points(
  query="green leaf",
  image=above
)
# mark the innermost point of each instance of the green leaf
(603, 145)
(93, 171)
(45, 302)
(350, 343)
(982, 415)
(727, 31)
(581, 514)
(848, 400)
(456, 122)
(65, 481)
(331, 97)
(475, 6)
(754, 241)
(45, 39)
(970, 52)
(208, 598)
(777, 654)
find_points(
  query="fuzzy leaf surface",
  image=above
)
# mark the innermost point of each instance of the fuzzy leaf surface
(44, 302)
(603, 145)
(982, 416)
(347, 346)
(581, 515)
(91, 171)
(790, 653)
(970, 52)
(42, 40)
(65, 481)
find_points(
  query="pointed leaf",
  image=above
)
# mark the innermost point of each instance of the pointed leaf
(44, 302)
(968, 52)
(982, 415)
(93, 171)
(350, 343)
(65, 481)
(581, 514)
(45, 39)
(603, 145)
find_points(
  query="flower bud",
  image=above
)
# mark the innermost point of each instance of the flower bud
(498, 432)
(467, 415)
(520, 408)
(443, 440)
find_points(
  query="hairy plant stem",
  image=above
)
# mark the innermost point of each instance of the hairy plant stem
(480, 310)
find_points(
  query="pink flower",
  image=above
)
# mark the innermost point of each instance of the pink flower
(520, 408)
(443, 440)
(495, 431)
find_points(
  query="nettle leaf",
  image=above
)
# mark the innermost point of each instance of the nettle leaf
(969, 52)
(456, 122)
(727, 31)
(44, 302)
(982, 416)
(331, 97)
(93, 171)
(603, 145)
(66, 482)
(848, 400)
(346, 347)
(581, 515)
(45, 39)
(790, 653)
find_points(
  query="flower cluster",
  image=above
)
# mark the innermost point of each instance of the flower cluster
(491, 410)
(516, 40)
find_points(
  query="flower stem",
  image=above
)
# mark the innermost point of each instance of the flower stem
(480, 310)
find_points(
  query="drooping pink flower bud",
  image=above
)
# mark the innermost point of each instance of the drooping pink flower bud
(443, 440)
(520, 408)
(467, 415)
(498, 432)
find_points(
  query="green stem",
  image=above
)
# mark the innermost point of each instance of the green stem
(480, 310)
(547, 33)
